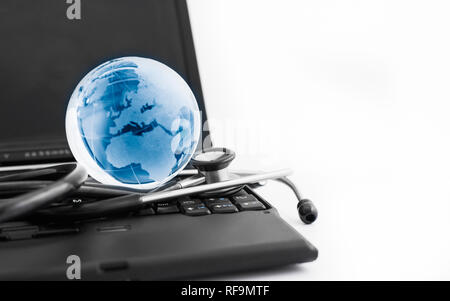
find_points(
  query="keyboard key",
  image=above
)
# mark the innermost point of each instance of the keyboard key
(221, 205)
(243, 196)
(166, 208)
(211, 201)
(195, 209)
(245, 201)
(188, 201)
(251, 205)
(223, 208)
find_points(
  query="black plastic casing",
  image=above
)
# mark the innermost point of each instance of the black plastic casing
(160, 247)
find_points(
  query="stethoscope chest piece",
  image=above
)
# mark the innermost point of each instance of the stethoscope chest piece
(213, 164)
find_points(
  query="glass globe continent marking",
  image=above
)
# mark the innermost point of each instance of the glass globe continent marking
(133, 122)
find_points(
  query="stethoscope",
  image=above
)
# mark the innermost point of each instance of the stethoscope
(30, 194)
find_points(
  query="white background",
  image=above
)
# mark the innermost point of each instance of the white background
(355, 97)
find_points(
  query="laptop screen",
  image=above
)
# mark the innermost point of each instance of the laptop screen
(47, 46)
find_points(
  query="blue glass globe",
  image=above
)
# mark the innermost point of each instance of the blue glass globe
(133, 122)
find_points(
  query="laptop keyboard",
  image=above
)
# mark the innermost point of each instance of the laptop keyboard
(189, 206)
(241, 201)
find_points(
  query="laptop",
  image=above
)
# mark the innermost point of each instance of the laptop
(46, 49)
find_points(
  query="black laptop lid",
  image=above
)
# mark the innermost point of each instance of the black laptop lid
(43, 55)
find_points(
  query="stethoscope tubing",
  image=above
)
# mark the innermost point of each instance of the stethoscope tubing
(24, 204)
(135, 202)
(248, 179)
(113, 199)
